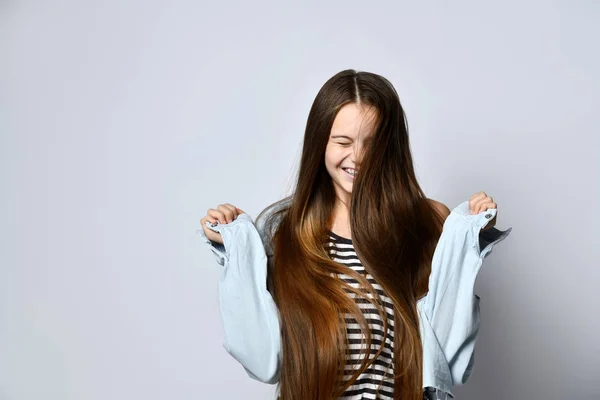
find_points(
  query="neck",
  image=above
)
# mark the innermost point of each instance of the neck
(341, 219)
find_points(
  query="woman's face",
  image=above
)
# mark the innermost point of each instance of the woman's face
(350, 133)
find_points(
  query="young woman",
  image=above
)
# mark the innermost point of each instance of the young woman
(349, 256)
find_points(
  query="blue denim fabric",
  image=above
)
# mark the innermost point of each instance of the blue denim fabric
(448, 314)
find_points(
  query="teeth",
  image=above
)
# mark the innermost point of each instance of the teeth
(350, 171)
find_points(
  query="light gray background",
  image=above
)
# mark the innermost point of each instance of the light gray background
(122, 123)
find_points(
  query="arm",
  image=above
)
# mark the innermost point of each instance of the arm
(451, 305)
(248, 313)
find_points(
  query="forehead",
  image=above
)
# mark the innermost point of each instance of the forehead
(354, 121)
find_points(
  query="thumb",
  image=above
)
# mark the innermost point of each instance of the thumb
(240, 211)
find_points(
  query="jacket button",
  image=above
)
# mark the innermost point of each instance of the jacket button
(488, 216)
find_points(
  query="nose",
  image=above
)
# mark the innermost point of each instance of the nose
(357, 153)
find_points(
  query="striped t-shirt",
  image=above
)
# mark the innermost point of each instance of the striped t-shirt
(375, 376)
(365, 387)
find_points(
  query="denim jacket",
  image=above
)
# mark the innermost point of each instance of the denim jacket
(448, 314)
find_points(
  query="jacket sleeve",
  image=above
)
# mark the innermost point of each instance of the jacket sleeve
(217, 249)
(451, 305)
(248, 312)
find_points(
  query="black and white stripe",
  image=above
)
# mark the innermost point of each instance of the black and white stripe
(366, 387)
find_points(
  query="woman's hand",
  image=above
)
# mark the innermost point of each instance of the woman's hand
(479, 202)
(223, 214)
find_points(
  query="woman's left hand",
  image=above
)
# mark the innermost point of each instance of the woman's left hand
(479, 202)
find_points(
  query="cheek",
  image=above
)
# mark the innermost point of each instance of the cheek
(329, 159)
(331, 163)
(333, 158)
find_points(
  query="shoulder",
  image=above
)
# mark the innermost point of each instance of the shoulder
(441, 208)
(268, 220)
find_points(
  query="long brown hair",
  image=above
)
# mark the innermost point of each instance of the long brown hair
(394, 232)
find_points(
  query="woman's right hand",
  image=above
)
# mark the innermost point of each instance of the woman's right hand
(224, 214)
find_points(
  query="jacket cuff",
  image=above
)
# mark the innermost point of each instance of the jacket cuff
(218, 249)
(489, 238)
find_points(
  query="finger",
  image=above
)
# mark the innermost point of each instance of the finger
(478, 202)
(228, 211)
(233, 209)
(477, 195)
(487, 204)
(474, 202)
(482, 204)
(217, 216)
(208, 217)
(240, 211)
(491, 205)
(213, 221)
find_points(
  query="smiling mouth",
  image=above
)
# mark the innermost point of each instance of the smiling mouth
(352, 174)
